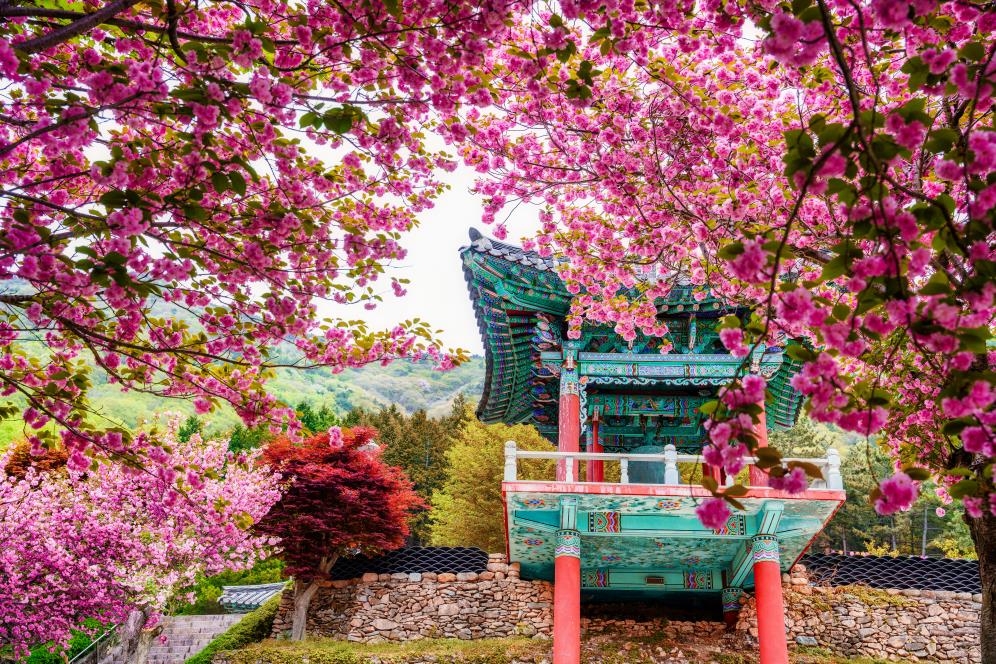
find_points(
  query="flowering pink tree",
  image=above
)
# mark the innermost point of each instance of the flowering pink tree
(181, 184)
(833, 163)
(116, 541)
(838, 175)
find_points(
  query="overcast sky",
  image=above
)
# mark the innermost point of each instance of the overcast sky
(437, 292)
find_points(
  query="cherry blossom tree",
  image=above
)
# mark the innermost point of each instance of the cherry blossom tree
(830, 164)
(181, 183)
(116, 542)
(341, 499)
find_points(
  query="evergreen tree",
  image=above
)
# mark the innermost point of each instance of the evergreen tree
(243, 439)
(190, 426)
(807, 439)
(317, 421)
(417, 444)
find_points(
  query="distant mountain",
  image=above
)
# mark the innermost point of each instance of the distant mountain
(408, 385)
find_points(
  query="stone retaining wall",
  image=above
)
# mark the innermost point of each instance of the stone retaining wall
(932, 625)
(849, 621)
(402, 607)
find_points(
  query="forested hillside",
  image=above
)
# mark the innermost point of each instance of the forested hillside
(407, 385)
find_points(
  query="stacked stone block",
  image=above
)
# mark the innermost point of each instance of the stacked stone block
(402, 607)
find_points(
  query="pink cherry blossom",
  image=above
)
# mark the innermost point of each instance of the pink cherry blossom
(713, 513)
(898, 494)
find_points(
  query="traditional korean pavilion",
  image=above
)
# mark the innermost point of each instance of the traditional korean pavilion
(618, 520)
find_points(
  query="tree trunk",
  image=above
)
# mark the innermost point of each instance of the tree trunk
(304, 591)
(302, 599)
(983, 532)
(136, 641)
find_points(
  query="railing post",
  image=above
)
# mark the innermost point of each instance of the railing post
(671, 475)
(569, 469)
(834, 479)
(624, 470)
(511, 470)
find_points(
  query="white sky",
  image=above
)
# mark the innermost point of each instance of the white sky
(437, 292)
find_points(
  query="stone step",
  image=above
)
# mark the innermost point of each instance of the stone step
(185, 636)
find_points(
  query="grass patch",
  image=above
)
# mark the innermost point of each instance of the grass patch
(330, 651)
(815, 655)
(874, 596)
(255, 627)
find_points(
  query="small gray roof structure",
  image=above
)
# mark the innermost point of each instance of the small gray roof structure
(241, 599)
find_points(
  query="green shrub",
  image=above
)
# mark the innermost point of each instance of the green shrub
(256, 626)
(208, 590)
(80, 640)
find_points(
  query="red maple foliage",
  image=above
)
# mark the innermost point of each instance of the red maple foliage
(341, 499)
(20, 459)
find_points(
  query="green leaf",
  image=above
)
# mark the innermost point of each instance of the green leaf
(731, 250)
(938, 284)
(238, 183)
(709, 407)
(735, 503)
(710, 483)
(973, 51)
(941, 140)
(958, 472)
(220, 182)
(974, 339)
(339, 120)
(916, 473)
(114, 198)
(800, 353)
(195, 212)
(964, 488)
(954, 427)
(835, 268)
(307, 120)
(811, 469)
(735, 490)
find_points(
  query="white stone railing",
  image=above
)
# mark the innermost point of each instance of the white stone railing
(829, 466)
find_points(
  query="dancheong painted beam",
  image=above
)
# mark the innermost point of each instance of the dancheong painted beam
(617, 519)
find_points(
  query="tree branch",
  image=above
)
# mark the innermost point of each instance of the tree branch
(77, 27)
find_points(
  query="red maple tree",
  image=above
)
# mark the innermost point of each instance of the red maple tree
(341, 499)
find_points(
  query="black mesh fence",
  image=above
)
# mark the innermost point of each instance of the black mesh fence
(824, 569)
(900, 572)
(438, 559)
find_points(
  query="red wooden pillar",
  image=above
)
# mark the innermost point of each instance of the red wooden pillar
(770, 607)
(568, 417)
(567, 598)
(757, 476)
(595, 469)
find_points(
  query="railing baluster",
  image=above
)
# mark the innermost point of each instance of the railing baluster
(511, 468)
(569, 469)
(624, 470)
(671, 475)
(834, 479)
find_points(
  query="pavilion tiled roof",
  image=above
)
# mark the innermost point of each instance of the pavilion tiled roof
(515, 291)
(240, 599)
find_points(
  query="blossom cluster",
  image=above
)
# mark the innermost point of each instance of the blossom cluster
(106, 541)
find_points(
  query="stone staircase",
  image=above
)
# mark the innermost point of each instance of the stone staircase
(188, 635)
